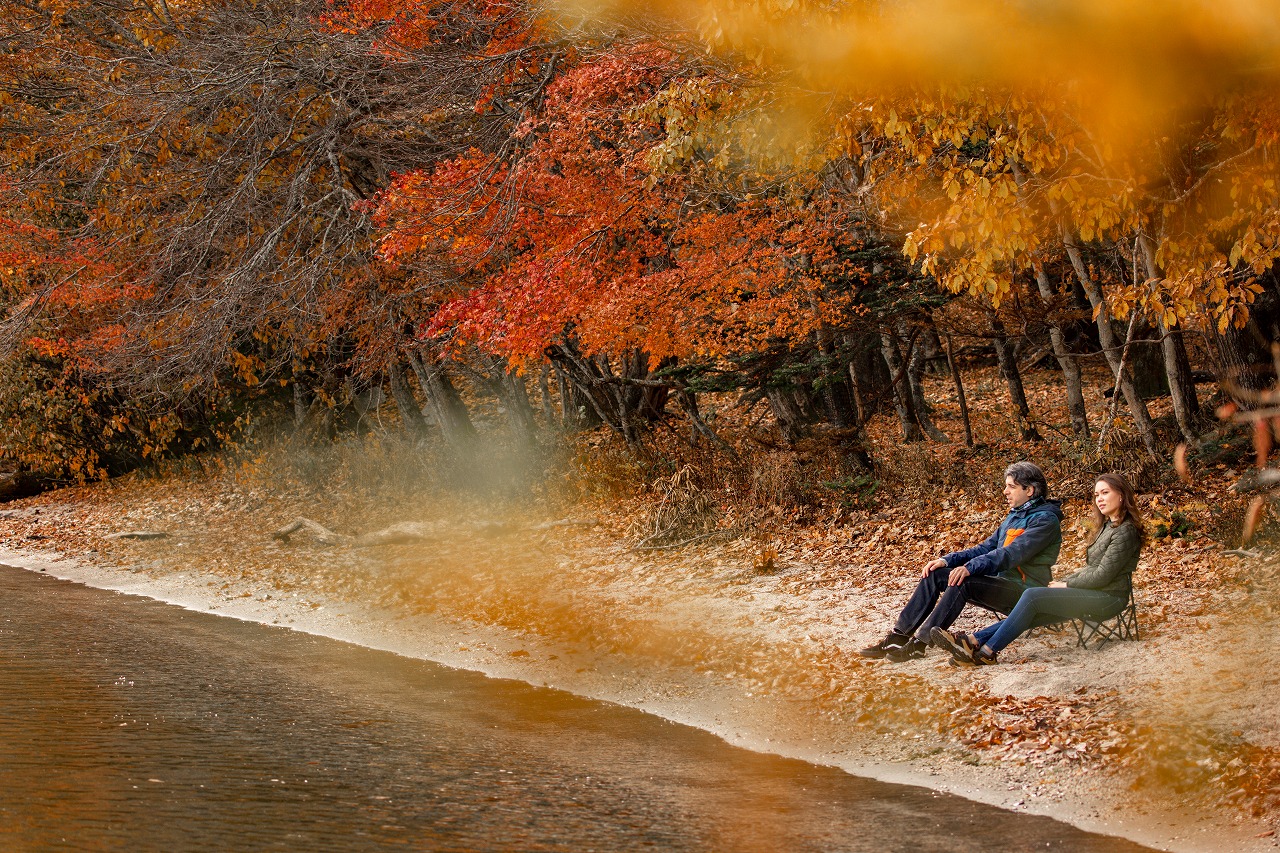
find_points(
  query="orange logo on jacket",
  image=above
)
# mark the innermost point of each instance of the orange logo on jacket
(1011, 534)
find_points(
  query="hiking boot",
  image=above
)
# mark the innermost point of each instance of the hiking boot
(979, 659)
(961, 646)
(911, 650)
(879, 650)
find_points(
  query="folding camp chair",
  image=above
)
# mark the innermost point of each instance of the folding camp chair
(1121, 626)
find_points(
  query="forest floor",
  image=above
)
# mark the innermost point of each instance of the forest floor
(1172, 740)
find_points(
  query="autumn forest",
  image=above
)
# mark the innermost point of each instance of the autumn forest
(544, 220)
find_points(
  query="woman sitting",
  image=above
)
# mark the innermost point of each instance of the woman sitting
(1100, 590)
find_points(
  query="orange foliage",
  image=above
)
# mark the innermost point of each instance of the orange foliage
(580, 234)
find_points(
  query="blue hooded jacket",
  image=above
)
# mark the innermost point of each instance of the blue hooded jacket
(1023, 549)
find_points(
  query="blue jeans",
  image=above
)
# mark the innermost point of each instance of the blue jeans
(925, 611)
(1047, 606)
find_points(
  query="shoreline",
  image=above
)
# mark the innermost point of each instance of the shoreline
(679, 694)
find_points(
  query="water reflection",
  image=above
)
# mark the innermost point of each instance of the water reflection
(128, 723)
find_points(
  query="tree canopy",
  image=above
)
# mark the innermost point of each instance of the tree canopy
(218, 206)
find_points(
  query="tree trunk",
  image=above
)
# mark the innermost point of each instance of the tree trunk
(645, 398)
(1182, 387)
(901, 390)
(494, 373)
(300, 405)
(1013, 379)
(1177, 367)
(622, 405)
(623, 399)
(866, 372)
(544, 395)
(859, 399)
(1111, 348)
(515, 399)
(1066, 361)
(1115, 398)
(588, 377)
(698, 427)
(916, 363)
(577, 409)
(837, 397)
(964, 406)
(414, 424)
(450, 412)
(788, 414)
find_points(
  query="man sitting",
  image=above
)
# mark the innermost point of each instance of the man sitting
(1019, 555)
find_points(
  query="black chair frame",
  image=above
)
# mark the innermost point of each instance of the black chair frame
(1121, 626)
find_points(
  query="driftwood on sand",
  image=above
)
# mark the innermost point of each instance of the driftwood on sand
(322, 534)
(408, 532)
(397, 534)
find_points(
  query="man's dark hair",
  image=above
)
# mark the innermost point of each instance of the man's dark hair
(1029, 476)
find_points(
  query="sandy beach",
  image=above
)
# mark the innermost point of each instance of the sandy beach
(1166, 741)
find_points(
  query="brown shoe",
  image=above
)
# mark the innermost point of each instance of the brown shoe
(963, 647)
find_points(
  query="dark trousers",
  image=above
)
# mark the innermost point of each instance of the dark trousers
(936, 605)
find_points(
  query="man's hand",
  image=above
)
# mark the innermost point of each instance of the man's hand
(1059, 585)
(930, 566)
(957, 576)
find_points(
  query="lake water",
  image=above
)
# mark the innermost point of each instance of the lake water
(130, 724)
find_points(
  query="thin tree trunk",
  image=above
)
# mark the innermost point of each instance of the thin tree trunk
(901, 392)
(837, 397)
(859, 400)
(1115, 398)
(862, 370)
(964, 405)
(544, 396)
(1182, 388)
(1111, 348)
(915, 371)
(300, 405)
(623, 408)
(699, 428)
(577, 408)
(1013, 379)
(859, 403)
(619, 399)
(648, 397)
(588, 378)
(410, 414)
(1066, 361)
(515, 399)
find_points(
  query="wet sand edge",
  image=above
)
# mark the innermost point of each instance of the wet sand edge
(489, 650)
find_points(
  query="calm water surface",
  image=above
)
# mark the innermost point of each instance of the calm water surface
(129, 724)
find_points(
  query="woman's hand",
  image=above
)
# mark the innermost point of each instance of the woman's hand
(1058, 585)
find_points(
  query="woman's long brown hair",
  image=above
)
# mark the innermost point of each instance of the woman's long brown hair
(1128, 507)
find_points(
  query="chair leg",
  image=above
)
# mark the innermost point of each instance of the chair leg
(1122, 626)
